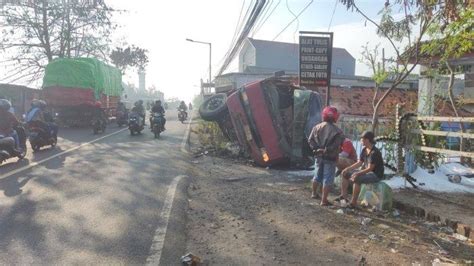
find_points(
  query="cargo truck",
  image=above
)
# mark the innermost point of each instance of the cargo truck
(72, 86)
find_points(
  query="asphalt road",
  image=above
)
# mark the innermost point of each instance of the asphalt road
(98, 204)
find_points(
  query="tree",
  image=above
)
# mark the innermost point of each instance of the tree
(451, 39)
(35, 32)
(404, 30)
(131, 56)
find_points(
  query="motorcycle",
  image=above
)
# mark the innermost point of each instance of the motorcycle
(40, 137)
(135, 124)
(157, 125)
(182, 115)
(7, 145)
(121, 118)
(98, 126)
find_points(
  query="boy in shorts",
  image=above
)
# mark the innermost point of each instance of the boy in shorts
(372, 170)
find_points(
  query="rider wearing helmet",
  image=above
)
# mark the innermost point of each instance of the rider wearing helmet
(39, 115)
(121, 107)
(8, 122)
(326, 139)
(183, 106)
(158, 108)
(99, 113)
(139, 109)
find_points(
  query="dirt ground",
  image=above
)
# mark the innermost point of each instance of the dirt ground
(453, 206)
(243, 215)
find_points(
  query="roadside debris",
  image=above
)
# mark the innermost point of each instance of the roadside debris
(233, 179)
(460, 237)
(396, 213)
(340, 211)
(365, 221)
(190, 259)
(383, 226)
(362, 261)
(455, 179)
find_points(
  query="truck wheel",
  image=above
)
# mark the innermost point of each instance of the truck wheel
(214, 108)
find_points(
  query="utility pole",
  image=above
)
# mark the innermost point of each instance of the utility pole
(210, 60)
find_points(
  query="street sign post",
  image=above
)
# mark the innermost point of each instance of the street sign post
(315, 51)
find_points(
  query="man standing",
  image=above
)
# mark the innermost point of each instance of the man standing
(325, 140)
(372, 170)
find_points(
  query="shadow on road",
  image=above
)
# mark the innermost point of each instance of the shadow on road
(12, 185)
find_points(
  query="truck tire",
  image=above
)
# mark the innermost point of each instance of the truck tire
(214, 108)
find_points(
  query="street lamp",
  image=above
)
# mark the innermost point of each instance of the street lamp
(210, 56)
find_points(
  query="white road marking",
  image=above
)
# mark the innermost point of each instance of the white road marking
(160, 232)
(186, 135)
(33, 164)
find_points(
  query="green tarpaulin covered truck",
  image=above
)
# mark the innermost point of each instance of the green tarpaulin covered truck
(71, 86)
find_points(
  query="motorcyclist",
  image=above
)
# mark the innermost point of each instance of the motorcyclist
(8, 122)
(40, 116)
(139, 109)
(99, 113)
(183, 107)
(121, 107)
(11, 110)
(158, 108)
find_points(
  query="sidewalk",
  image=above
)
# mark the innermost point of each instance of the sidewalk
(243, 215)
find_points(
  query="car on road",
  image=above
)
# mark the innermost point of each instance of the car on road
(270, 118)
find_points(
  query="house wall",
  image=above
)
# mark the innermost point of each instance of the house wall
(344, 63)
(247, 57)
(287, 62)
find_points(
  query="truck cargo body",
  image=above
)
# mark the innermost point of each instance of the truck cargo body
(72, 86)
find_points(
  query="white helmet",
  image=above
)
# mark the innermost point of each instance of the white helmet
(5, 104)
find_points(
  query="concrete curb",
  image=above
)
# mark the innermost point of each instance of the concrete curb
(458, 226)
(185, 143)
(175, 241)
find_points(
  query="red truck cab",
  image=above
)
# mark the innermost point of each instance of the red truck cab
(264, 118)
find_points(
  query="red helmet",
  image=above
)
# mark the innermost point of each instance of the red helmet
(330, 114)
(98, 104)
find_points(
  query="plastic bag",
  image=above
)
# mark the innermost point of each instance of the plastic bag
(378, 195)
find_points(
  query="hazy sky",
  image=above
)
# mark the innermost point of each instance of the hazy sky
(176, 66)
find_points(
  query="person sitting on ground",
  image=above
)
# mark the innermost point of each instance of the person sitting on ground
(372, 170)
(325, 140)
(8, 122)
(347, 156)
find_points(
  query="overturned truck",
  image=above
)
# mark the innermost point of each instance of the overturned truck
(72, 86)
(271, 119)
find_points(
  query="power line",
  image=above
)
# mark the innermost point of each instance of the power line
(333, 12)
(266, 7)
(291, 22)
(254, 15)
(271, 13)
(297, 21)
(238, 29)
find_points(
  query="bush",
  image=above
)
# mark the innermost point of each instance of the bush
(210, 136)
